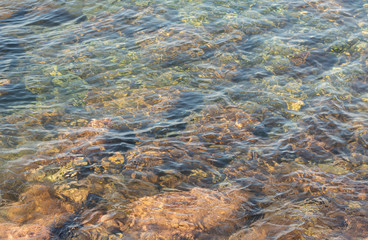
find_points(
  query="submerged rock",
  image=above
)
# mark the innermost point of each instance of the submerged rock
(210, 142)
(172, 46)
(310, 204)
(221, 125)
(197, 214)
(331, 9)
(153, 112)
(34, 214)
(36, 204)
(78, 152)
(24, 232)
(171, 161)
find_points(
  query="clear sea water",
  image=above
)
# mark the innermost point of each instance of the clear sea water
(196, 119)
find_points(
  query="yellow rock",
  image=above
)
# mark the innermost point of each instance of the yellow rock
(295, 106)
(4, 81)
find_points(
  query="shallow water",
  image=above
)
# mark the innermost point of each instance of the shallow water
(183, 119)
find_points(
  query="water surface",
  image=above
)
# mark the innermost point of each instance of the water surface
(183, 119)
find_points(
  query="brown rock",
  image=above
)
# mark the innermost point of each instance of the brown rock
(24, 232)
(197, 214)
(37, 203)
(223, 125)
(6, 13)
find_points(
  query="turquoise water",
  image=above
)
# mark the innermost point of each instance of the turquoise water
(183, 119)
